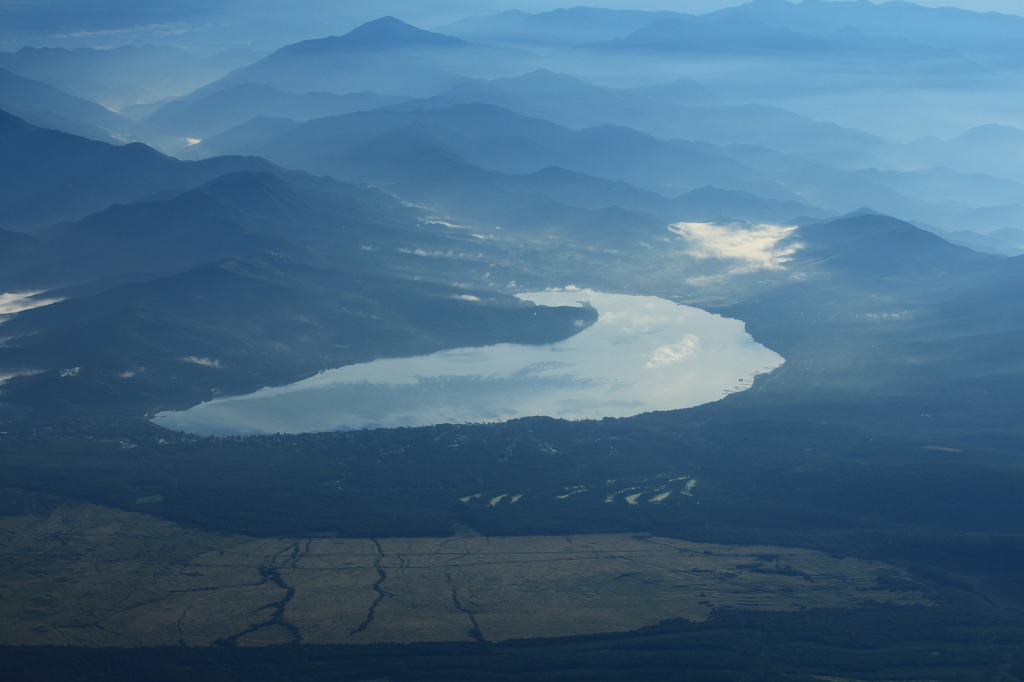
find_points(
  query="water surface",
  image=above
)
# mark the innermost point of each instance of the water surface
(643, 354)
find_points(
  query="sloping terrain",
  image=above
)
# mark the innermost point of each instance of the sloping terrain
(51, 177)
(387, 56)
(853, 513)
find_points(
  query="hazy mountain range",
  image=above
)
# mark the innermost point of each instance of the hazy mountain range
(125, 76)
(191, 211)
(703, 135)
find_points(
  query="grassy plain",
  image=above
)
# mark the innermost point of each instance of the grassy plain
(86, 575)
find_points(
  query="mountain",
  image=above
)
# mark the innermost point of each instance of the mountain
(223, 109)
(679, 109)
(852, 505)
(939, 196)
(702, 204)
(987, 37)
(845, 75)
(497, 139)
(713, 203)
(681, 92)
(50, 176)
(740, 43)
(553, 29)
(571, 102)
(144, 238)
(435, 178)
(549, 201)
(939, 184)
(386, 56)
(14, 246)
(1005, 241)
(241, 139)
(879, 250)
(124, 75)
(244, 323)
(235, 215)
(715, 35)
(991, 149)
(45, 103)
(997, 223)
(774, 128)
(990, 37)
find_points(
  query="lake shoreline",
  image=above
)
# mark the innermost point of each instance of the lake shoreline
(643, 354)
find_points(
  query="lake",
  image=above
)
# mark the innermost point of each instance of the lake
(643, 354)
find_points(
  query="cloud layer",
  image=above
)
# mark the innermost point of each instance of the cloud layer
(751, 248)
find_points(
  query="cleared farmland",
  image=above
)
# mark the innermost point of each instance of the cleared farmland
(92, 576)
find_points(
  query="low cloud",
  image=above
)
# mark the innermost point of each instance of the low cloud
(670, 354)
(751, 248)
(7, 376)
(205, 362)
(160, 29)
(16, 303)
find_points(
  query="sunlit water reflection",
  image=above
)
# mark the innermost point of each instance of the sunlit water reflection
(643, 354)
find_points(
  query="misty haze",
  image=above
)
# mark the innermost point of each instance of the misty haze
(294, 384)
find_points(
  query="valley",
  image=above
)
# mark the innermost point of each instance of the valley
(426, 341)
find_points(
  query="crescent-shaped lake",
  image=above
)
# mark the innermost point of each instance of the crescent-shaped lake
(642, 354)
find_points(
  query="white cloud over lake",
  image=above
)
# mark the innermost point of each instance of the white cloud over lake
(673, 353)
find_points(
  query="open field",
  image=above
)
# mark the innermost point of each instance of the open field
(92, 576)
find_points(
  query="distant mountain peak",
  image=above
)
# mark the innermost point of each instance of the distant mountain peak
(384, 33)
(862, 211)
(391, 29)
(543, 78)
(548, 75)
(991, 133)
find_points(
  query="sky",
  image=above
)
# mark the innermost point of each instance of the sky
(700, 6)
(264, 25)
